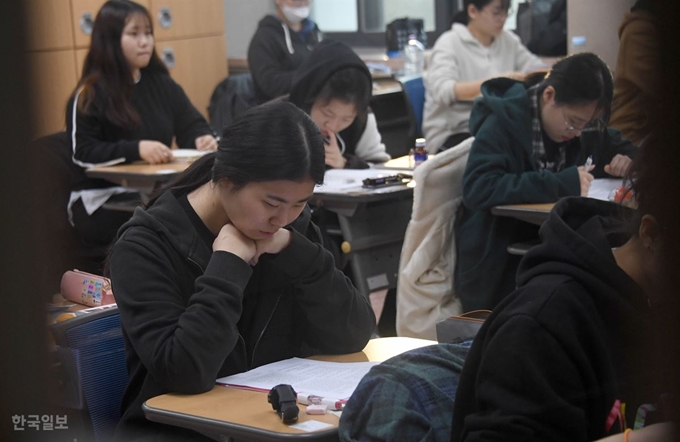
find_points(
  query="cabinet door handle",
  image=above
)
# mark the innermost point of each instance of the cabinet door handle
(168, 58)
(165, 18)
(86, 23)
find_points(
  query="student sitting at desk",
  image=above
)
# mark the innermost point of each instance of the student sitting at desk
(334, 87)
(224, 271)
(125, 108)
(280, 45)
(531, 145)
(474, 50)
(581, 349)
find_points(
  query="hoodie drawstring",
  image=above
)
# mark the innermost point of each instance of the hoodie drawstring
(289, 43)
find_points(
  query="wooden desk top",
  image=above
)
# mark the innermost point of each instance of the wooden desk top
(532, 213)
(138, 174)
(246, 414)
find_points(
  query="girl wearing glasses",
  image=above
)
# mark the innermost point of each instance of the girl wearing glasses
(531, 145)
(475, 49)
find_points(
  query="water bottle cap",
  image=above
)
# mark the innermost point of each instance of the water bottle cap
(420, 142)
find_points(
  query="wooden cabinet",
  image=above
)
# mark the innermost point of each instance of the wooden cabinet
(189, 38)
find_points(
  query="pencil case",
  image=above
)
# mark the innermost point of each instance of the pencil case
(86, 288)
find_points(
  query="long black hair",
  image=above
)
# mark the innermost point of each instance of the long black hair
(106, 74)
(578, 79)
(463, 17)
(275, 141)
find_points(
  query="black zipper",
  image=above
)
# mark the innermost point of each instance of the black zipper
(252, 359)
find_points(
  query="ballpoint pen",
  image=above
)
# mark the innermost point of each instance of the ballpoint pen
(589, 162)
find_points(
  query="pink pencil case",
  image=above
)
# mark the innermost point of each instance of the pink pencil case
(86, 288)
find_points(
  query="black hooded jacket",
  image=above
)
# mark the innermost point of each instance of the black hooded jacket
(554, 358)
(190, 315)
(275, 52)
(325, 60)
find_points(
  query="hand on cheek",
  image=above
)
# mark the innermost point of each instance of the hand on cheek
(334, 157)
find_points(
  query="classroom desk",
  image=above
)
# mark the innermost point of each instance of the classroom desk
(138, 175)
(372, 224)
(531, 213)
(227, 412)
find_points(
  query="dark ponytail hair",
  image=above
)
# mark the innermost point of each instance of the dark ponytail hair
(578, 79)
(276, 141)
(106, 74)
(463, 17)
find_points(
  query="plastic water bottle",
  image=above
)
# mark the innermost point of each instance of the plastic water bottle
(414, 57)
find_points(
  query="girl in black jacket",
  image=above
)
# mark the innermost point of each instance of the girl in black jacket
(334, 87)
(224, 271)
(125, 108)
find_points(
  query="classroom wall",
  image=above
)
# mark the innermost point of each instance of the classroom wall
(598, 21)
(240, 21)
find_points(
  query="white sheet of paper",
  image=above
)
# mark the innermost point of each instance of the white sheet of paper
(189, 154)
(602, 187)
(328, 379)
(343, 180)
(310, 426)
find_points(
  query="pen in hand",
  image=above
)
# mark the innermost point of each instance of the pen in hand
(589, 162)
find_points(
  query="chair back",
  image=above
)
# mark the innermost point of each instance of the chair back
(425, 293)
(92, 346)
(415, 90)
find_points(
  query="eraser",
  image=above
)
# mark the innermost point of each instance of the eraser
(316, 409)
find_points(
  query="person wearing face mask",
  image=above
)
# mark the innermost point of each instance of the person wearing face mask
(280, 45)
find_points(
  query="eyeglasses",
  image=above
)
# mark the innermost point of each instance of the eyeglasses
(593, 126)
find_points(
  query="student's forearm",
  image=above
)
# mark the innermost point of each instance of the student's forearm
(467, 90)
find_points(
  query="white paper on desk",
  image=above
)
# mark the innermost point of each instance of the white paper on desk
(189, 154)
(602, 187)
(343, 180)
(336, 380)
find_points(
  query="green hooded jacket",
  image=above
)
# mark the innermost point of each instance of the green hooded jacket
(501, 170)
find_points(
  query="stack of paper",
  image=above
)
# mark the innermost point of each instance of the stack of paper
(328, 379)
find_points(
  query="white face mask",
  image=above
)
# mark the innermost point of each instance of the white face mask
(295, 15)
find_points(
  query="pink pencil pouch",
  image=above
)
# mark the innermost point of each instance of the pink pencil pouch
(86, 288)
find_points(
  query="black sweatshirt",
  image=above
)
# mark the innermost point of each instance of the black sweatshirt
(556, 355)
(190, 315)
(326, 59)
(275, 52)
(165, 112)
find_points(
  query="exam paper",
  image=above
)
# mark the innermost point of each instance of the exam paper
(602, 187)
(328, 379)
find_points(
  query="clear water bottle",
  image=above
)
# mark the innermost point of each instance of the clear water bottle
(414, 57)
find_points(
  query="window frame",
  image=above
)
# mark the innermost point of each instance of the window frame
(444, 12)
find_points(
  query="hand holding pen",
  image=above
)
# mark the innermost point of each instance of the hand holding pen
(585, 178)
